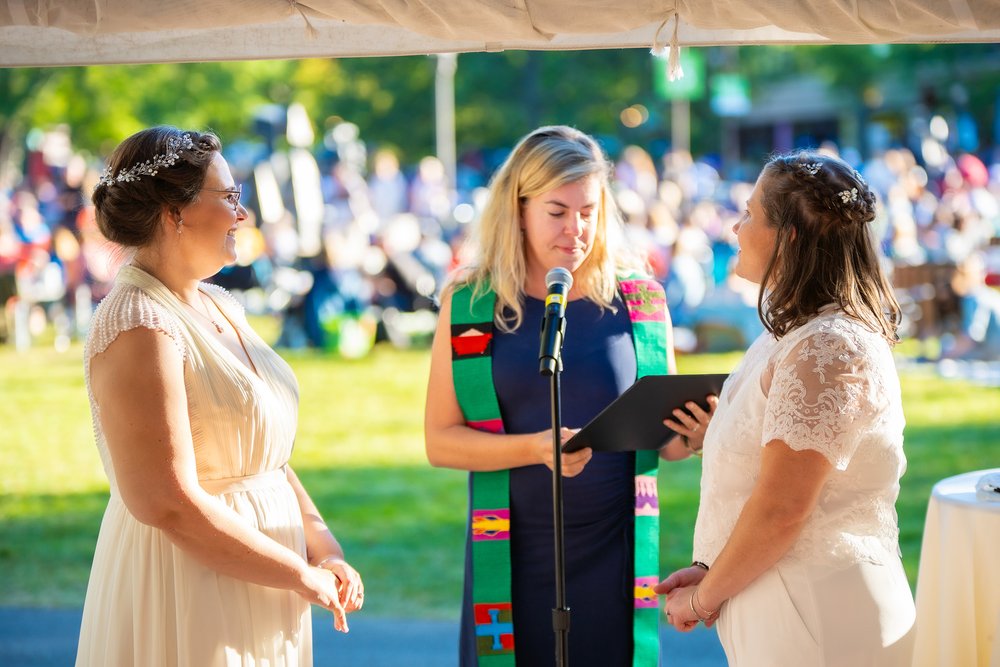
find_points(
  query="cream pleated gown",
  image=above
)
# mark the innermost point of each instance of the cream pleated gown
(149, 603)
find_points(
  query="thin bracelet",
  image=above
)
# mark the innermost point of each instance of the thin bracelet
(328, 558)
(694, 600)
(698, 563)
(687, 446)
(693, 610)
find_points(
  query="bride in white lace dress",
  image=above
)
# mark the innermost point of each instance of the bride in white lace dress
(796, 543)
(210, 550)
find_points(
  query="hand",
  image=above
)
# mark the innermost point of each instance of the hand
(678, 609)
(693, 426)
(689, 576)
(319, 587)
(572, 463)
(352, 590)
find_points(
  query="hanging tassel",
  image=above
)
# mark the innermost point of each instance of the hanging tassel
(311, 31)
(659, 49)
(674, 69)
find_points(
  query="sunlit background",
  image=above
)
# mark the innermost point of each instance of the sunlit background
(363, 178)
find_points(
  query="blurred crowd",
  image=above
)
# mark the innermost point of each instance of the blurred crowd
(349, 247)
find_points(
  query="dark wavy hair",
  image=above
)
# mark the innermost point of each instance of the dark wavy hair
(825, 251)
(129, 213)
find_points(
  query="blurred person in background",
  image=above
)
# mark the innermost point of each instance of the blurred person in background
(978, 336)
(387, 185)
(210, 550)
(487, 412)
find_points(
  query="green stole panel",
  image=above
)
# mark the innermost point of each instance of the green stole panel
(471, 346)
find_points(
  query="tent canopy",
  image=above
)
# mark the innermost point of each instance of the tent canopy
(77, 32)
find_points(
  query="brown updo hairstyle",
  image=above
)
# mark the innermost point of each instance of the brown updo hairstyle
(825, 251)
(129, 213)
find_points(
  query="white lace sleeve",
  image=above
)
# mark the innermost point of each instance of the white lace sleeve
(820, 396)
(127, 308)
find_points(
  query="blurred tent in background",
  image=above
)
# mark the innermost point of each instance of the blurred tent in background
(78, 32)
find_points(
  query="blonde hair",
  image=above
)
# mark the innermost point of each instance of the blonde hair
(544, 160)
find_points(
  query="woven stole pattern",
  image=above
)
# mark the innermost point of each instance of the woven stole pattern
(472, 371)
(471, 347)
(647, 304)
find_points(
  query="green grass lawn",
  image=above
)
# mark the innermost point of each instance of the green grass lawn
(360, 453)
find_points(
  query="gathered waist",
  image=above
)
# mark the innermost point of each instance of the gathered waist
(224, 485)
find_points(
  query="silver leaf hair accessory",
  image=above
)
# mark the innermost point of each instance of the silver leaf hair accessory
(811, 168)
(848, 195)
(151, 166)
(861, 179)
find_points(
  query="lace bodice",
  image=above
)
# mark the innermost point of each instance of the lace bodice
(830, 386)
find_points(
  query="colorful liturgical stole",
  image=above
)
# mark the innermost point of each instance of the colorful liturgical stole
(471, 347)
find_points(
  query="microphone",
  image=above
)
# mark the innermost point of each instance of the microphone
(558, 281)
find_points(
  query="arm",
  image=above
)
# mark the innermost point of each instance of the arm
(323, 549)
(784, 496)
(452, 444)
(674, 450)
(138, 384)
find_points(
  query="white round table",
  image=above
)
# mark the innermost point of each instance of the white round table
(958, 584)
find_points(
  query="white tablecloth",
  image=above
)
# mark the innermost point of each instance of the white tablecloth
(958, 585)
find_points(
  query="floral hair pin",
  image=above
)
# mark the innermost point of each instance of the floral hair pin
(151, 166)
(848, 195)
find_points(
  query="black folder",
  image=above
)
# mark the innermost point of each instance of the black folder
(635, 419)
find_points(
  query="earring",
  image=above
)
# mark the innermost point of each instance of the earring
(180, 224)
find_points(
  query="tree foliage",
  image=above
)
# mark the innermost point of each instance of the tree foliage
(499, 96)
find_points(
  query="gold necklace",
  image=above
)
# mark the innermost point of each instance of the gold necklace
(201, 297)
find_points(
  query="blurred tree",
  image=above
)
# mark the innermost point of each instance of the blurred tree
(104, 104)
(18, 89)
(499, 96)
(391, 100)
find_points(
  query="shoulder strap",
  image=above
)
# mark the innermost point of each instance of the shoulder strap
(472, 372)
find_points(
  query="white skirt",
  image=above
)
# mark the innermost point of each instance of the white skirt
(801, 614)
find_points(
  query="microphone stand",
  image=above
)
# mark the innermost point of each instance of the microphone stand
(552, 366)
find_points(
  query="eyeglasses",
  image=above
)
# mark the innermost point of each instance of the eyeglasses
(232, 195)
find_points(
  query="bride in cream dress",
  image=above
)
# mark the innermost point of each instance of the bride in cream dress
(210, 551)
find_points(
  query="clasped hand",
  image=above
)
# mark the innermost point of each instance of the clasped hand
(335, 586)
(679, 587)
(572, 463)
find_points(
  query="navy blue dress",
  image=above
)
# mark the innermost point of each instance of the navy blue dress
(599, 504)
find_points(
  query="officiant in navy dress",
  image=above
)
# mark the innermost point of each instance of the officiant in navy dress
(488, 412)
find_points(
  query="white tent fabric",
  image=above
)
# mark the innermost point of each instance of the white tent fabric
(71, 32)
